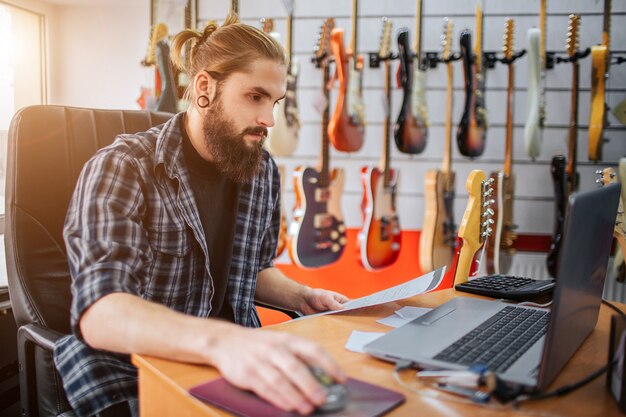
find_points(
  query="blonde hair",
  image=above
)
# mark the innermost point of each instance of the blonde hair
(222, 50)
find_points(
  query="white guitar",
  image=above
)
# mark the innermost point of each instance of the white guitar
(282, 139)
(532, 130)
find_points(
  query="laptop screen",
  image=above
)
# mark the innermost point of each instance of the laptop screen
(582, 268)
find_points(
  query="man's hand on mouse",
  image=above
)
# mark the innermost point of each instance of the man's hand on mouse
(274, 365)
(316, 300)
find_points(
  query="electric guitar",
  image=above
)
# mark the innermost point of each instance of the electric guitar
(380, 239)
(347, 125)
(564, 172)
(476, 224)
(282, 138)
(500, 249)
(536, 39)
(472, 131)
(159, 33)
(438, 237)
(411, 128)
(600, 55)
(317, 232)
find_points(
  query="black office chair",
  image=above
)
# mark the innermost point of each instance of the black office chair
(48, 146)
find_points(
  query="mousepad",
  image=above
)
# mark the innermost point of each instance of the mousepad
(365, 400)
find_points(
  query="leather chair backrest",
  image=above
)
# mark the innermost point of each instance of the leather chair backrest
(47, 148)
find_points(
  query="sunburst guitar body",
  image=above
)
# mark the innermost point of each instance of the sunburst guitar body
(380, 239)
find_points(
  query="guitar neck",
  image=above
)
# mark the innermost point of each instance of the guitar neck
(447, 151)
(542, 25)
(418, 32)
(387, 125)
(325, 154)
(572, 141)
(288, 41)
(508, 147)
(478, 48)
(234, 6)
(606, 31)
(354, 40)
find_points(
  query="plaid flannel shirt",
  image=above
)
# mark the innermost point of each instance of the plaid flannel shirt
(133, 227)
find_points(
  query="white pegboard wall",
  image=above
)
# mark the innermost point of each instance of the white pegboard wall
(533, 207)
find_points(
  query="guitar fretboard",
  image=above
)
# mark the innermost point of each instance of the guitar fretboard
(324, 169)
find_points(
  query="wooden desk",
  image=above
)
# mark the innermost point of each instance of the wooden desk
(163, 384)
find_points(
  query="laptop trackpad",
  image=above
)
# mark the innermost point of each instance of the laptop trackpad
(436, 315)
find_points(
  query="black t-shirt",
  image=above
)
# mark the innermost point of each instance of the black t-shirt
(216, 199)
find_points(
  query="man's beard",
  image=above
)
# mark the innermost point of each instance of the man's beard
(232, 156)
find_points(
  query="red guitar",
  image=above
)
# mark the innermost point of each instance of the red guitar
(379, 239)
(347, 126)
(317, 233)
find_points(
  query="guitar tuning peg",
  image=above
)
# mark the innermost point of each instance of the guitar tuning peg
(488, 212)
(490, 181)
(489, 202)
(488, 192)
(487, 222)
(598, 171)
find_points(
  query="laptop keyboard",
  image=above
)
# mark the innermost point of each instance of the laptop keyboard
(500, 340)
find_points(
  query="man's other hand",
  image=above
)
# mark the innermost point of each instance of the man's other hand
(316, 300)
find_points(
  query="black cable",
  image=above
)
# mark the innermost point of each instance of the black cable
(572, 387)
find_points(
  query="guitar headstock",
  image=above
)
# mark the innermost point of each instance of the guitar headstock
(322, 47)
(446, 38)
(159, 32)
(573, 34)
(509, 32)
(267, 24)
(385, 40)
(609, 176)
(476, 223)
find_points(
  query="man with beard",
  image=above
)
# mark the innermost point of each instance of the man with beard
(171, 234)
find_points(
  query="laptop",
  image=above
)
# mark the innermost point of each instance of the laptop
(524, 346)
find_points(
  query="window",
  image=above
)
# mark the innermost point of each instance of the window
(22, 81)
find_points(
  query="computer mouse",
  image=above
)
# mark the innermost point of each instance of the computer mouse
(336, 393)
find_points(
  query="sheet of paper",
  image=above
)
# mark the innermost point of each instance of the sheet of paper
(403, 316)
(408, 289)
(358, 339)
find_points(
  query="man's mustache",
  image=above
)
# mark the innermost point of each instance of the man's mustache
(259, 130)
